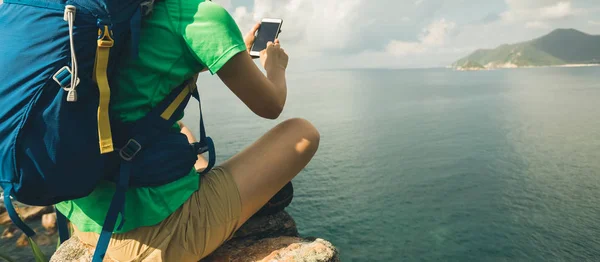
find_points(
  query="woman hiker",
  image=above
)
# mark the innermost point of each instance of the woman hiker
(188, 219)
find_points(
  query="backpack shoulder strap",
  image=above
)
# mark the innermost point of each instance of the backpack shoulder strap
(145, 131)
(116, 207)
(146, 8)
(63, 227)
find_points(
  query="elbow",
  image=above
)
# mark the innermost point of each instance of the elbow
(272, 112)
(268, 110)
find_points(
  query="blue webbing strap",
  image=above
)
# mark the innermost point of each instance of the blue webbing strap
(14, 217)
(116, 207)
(196, 95)
(12, 213)
(135, 25)
(205, 144)
(63, 228)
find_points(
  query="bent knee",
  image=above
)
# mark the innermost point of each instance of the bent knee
(307, 132)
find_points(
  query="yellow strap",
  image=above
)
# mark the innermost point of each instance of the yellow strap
(105, 42)
(166, 115)
(191, 86)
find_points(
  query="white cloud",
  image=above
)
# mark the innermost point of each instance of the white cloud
(418, 2)
(308, 24)
(433, 36)
(224, 3)
(557, 11)
(436, 33)
(400, 48)
(530, 4)
(592, 22)
(537, 25)
(540, 10)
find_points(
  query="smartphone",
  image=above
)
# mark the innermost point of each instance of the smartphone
(268, 31)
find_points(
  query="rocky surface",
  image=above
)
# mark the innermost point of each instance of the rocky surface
(273, 238)
(275, 249)
(49, 222)
(27, 213)
(75, 250)
(13, 242)
(270, 238)
(9, 232)
(279, 224)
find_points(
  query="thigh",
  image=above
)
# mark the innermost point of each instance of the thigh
(141, 244)
(210, 216)
(264, 167)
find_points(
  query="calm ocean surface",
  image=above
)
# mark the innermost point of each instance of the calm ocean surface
(439, 165)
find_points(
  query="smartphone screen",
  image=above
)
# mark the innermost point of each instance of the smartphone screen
(267, 32)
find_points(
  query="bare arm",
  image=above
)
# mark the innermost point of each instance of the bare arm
(264, 95)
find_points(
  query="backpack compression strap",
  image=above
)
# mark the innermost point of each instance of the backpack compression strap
(12, 213)
(105, 42)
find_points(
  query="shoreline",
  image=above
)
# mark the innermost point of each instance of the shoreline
(526, 67)
(577, 65)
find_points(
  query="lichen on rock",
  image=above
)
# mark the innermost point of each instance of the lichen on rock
(26, 213)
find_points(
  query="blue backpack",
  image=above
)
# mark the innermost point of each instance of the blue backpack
(58, 60)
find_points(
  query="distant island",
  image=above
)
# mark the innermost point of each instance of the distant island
(561, 47)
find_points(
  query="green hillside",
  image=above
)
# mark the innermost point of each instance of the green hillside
(560, 47)
(470, 65)
(571, 46)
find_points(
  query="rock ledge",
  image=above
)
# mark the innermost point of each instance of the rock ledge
(269, 238)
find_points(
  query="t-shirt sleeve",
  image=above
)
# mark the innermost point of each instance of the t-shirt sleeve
(211, 33)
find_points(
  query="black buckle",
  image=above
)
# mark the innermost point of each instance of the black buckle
(147, 7)
(200, 147)
(130, 149)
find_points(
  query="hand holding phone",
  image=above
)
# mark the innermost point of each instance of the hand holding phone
(267, 32)
(251, 36)
(274, 58)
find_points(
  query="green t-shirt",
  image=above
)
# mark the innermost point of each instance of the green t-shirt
(181, 38)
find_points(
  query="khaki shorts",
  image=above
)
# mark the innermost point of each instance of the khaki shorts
(204, 222)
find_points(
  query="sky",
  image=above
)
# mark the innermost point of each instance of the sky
(328, 34)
